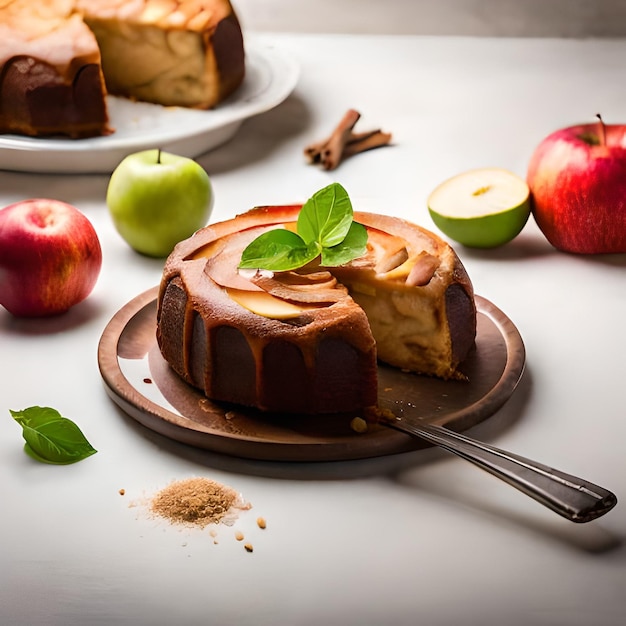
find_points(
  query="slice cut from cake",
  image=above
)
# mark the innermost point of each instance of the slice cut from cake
(308, 340)
(60, 58)
(51, 79)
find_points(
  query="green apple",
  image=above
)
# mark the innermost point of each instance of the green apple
(481, 208)
(157, 199)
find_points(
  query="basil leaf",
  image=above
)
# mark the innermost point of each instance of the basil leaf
(325, 226)
(352, 247)
(33, 455)
(50, 437)
(278, 250)
(326, 216)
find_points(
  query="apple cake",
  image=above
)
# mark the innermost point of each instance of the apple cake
(51, 78)
(308, 340)
(59, 59)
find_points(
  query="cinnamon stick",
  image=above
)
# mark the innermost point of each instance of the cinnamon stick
(344, 142)
(375, 139)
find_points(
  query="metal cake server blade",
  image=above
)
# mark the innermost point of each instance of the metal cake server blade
(573, 498)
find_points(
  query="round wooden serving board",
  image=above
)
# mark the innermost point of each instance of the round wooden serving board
(139, 380)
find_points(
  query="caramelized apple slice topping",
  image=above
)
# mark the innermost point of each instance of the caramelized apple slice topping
(222, 267)
(389, 251)
(391, 259)
(423, 270)
(317, 288)
(416, 271)
(267, 305)
(313, 279)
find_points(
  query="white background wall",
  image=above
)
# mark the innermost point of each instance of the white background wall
(517, 18)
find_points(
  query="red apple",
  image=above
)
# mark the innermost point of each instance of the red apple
(577, 179)
(50, 257)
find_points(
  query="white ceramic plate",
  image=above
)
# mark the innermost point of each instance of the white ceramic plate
(270, 78)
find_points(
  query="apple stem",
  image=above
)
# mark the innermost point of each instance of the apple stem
(602, 130)
(159, 156)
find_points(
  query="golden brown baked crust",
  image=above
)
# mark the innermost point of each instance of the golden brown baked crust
(410, 303)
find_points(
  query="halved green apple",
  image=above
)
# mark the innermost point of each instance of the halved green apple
(481, 208)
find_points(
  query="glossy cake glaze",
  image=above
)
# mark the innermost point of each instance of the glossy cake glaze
(59, 59)
(308, 341)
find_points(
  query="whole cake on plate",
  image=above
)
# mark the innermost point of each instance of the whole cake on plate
(59, 59)
(308, 340)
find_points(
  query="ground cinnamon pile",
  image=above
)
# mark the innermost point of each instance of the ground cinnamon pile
(195, 501)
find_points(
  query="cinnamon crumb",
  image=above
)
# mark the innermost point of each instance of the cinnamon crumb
(260, 522)
(122, 492)
(248, 547)
(239, 536)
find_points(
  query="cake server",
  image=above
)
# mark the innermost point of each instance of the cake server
(573, 498)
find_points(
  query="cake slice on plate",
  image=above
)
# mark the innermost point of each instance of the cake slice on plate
(60, 58)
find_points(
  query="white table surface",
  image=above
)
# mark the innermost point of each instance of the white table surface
(421, 538)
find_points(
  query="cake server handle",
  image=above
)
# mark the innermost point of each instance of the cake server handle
(575, 499)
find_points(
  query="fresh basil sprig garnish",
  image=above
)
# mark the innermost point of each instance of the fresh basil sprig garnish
(325, 228)
(50, 437)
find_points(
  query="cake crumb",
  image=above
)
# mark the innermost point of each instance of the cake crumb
(261, 523)
(358, 425)
(122, 492)
(248, 547)
(239, 536)
(387, 414)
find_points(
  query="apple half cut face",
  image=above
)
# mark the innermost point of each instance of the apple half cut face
(481, 208)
